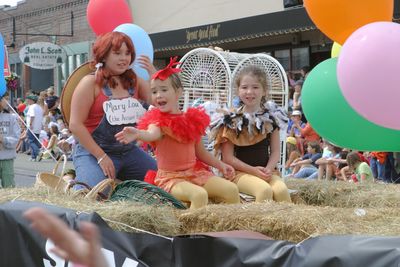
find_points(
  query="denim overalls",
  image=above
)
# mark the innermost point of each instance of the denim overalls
(130, 162)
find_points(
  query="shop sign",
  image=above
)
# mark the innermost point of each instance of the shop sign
(42, 55)
(204, 33)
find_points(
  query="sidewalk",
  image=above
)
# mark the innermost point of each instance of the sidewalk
(22, 162)
(25, 170)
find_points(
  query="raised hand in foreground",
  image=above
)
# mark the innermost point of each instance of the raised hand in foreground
(83, 248)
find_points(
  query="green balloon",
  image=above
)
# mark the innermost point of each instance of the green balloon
(335, 120)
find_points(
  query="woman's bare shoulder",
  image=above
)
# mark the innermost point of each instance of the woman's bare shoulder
(87, 83)
(88, 79)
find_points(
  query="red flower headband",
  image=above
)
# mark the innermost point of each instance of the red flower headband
(168, 70)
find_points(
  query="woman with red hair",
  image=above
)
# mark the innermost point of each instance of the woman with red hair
(103, 104)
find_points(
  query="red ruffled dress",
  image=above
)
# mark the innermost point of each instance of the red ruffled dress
(175, 151)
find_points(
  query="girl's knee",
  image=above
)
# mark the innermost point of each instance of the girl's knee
(198, 199)
(263, 193)
(281, 192)
(232, 193)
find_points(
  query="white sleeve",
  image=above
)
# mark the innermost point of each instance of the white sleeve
(31, 112)
(70, 140)
(11, 141)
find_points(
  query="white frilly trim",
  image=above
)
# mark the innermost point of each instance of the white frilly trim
(279, 114)
(274, 113)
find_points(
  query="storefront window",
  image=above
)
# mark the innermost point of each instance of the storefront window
(283, 56)
(81, 58)
(63, 73)
(18, 68)
(292, 3)
(71, 65)
(78, 60)
(300, 58)
(84, 57)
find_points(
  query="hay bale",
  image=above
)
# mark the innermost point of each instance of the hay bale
(289, 221)
(344, 194)
(126, 216)
(122, 216)
(280, 221)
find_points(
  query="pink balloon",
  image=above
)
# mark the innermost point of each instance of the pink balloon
(104, 15)
(368, 72)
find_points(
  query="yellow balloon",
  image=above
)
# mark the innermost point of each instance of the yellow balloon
(335, 49)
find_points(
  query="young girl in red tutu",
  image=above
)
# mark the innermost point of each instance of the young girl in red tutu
(176, 136)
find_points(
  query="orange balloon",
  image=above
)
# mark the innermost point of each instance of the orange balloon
(338, 19)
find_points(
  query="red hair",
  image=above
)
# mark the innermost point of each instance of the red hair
(101, 49)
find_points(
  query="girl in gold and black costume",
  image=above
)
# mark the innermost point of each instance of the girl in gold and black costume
(248, 138)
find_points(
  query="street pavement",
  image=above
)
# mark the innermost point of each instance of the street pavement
(25, 170)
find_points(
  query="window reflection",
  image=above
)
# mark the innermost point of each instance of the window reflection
(291, 3)
(300, 58)
(283, 56)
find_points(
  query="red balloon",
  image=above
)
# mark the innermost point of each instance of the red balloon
(104, 15)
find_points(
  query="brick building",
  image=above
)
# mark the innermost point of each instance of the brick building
(272, 27)
(64, 23)
(61, 22)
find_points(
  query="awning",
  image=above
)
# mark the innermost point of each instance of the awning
(277, 23)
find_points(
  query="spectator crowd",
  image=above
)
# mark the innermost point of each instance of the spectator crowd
(49, 137)
(311, 157)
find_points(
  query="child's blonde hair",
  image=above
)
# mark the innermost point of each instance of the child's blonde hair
(290, 148)
(176, 81)
(259, 74)
(46, 119)
(352, 159)
(41, 98)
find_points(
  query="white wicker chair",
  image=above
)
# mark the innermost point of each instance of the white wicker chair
(209, 75)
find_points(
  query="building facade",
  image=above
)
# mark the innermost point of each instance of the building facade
(280, 28)
(56, 21)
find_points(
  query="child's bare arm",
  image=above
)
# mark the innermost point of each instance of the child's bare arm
(130, 134)
(321, 161)
(153, 133)
(339, 160)
(203, 155)
(343, 172)
(300, 162)
(275, 154)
